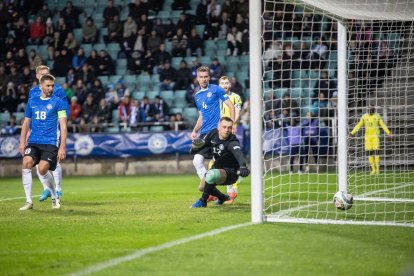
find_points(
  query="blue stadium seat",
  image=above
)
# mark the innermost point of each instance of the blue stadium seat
(115, 78)
(100, 46)
(221, 44)
(156, 128)
(295, 92)
(130, 80)
(87, 48)
(168, 97)
(210, 44)
(19, 116)
(200, 29)
(138, 95)
(179, 98)
(151, 95)
(242, 76)
(175, 110)
(143, 78)
(205, 60)
(60, 80)
(155, 78)
(77, 34)
(175, 62)
(280, 91)
(115, 117)
(190, 114)
(244, 60)
(104, 80)
(121, 70)
(4, 118)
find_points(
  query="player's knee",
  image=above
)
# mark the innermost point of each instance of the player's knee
(28, 163)
(213, 176)
(43, 168)
(198, 161)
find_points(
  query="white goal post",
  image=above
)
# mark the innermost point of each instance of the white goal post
(367, 63)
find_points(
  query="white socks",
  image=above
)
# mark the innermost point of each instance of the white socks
(57, 175)
(48, 181)
(27, 184)
(198, 163)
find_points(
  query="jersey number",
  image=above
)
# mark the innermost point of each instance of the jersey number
(40, 115)
(204, 105)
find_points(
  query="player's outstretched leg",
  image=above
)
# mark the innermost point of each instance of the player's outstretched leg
(57, 175)
(27, 185)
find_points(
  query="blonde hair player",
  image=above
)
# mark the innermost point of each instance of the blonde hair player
(372, 122)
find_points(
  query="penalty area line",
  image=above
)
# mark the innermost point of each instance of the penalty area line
(142, 252)
(13, 198)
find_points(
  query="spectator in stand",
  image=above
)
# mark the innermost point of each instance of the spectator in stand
(49, 31)
(62, 63)
(106, 64)
(213, 9)
(243, 8)
(185, 24)
(325, 85)
(223, 25)
(162, 110)
(55, 46)
(68, 91)
(295, 141)
(145, 24)
(179, 44)
(180, 119)
(318, 53)
(201, 12)
(93, 62)
(86, 75)
(241, 23)
(301, 57)
(109, 13)
(81, 92)
(114, 31)
(63, 28)
(181, 5)
(78, 60)
(216, 71)
(21, 60)
(124, 111)
(10, 98)
(111, 97)
(102, 117)
(170, 29)
(121, 89)
(11, 127)
(130, 31)
(137, 8)
(153, 42)
(21, 32)
(310, 132)
(97, 91)
(87, 114)
(11, 45)
(34, 59)
(245, 114)
(15, 77)
(191, 90)
(70, 14)
(320, 106)
(159, 28)
(89, 31)
(184, 77)
(147, 110)
(195, 44)
(290, 105)
(28, 76)
(135, 117)
(234, 40)
(155, 5)
(9, 61)
(237, 88)
(194, 67)
(22, 98)
(161, 55)
(37, 32)
(70, 77)
(44, 13)
(171, 125)
(75, 110)
(168, 77)
(70, 43)
(274, 51)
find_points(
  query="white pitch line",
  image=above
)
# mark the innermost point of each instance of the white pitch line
(142, 252)
(13, 198)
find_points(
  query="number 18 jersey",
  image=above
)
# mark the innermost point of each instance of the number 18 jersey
(44, 114)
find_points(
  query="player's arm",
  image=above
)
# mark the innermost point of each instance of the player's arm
(197, 126)
(199, 143)
(384, 127)
(63, 135)
(231, 108)
(234, 148)
(237, 109)
(23, 135)
(357, 127)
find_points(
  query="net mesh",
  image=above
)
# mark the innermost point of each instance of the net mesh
(300, 118)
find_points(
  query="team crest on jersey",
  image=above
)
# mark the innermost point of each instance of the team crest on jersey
(157, 143)
(221, 147)
(49, 106)
(84, 145)
(9, 147)
(209, 94)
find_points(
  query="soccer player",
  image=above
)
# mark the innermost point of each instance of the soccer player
(235, 99)
(207, 100)
(43, 113)
(372, 121)
(59, 93)
(229, 162)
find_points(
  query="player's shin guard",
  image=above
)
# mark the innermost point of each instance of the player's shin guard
(57, 175)
(48, 180)
(41, 178)
(210, 189)
(377, 163)
(372, 163)
(198, 163)
(27, 184)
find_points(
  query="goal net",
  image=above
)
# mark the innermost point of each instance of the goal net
(325, 64)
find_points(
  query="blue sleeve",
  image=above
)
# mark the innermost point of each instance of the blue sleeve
(74, 61)
(28, 112)
(221, 94)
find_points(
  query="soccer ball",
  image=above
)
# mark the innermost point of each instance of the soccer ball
(343, 200)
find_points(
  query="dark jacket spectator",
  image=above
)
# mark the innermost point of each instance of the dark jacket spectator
(70, 14)
(89, 31)
(110, 12)
(93, 62)
(86, 75)
(114, 30)
(62, 63)
(168, 77)
(105, 63)
(78, 60)
(137, 8)
(153, 42)
(179, 44)
(195, 44)
(162, 110)
(184, 77)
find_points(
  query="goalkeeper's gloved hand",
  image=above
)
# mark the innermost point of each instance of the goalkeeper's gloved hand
(244, 171)
(198, 143)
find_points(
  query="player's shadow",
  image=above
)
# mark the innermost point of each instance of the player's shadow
(238, 206)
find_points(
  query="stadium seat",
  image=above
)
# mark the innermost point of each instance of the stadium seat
(77, 34)
(179, 98)
(144, 78)
(19, 116)
(100, 46)
(60, 80)
(190, 114)
(4, 118)
(121, 70)
(176, 110)
(112, 129)
(205, 60)
(234, 67)
(280, 91)
(200, 29)
(104, 80)
(175, 62)
(210, 44)
(138, 95)
(115, 117)
(87, 48)
(221, 44)
(43, 52)
(244, 60)
(164, 14)
(242, 76)
(151, 94)
(155, 78)
(156, 128)
(130, 80)
(168, 45)
(115, 78)
(295, 92)
(168, 97)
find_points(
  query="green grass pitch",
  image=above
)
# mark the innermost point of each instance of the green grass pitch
(103, 218)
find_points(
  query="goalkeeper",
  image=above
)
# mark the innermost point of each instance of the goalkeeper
(229, 162)
(372, 121)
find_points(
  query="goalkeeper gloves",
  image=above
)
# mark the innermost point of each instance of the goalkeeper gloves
(244, 171)
(198, 143)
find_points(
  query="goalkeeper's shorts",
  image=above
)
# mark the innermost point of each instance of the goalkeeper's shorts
(371, 143)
